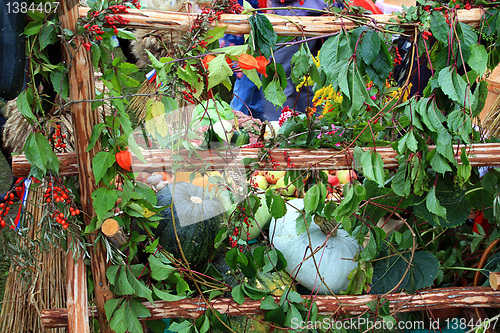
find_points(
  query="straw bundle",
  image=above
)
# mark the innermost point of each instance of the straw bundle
(491, 123)
(24, 299)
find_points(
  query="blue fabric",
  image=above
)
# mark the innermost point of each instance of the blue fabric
(246, 92)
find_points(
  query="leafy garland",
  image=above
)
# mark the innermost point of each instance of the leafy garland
(361, 107)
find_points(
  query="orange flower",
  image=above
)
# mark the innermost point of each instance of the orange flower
(124, 159)
(207, 59)
(263, 62)
(246, 61)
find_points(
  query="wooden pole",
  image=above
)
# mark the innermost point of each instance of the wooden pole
(430, 299)
(76, 301)
(283, 25)
(81, 78)
(486, 154)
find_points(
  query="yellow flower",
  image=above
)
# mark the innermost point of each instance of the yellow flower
(316, 60)
(304, 82)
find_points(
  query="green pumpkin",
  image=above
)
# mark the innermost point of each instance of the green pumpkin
(197, 221)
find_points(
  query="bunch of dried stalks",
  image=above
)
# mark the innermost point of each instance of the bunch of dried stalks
(25, 298)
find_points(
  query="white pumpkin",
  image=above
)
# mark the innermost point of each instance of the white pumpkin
(335, 260)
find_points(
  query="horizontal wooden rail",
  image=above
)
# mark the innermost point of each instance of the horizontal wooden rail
(431, 299)
(283, 25)
(487, 154)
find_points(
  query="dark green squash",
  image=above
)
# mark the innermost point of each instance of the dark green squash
(197, 221)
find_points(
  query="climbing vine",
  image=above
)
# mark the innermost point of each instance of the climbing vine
(359, 106)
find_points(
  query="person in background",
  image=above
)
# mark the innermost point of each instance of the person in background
(247, 98)
(284, 56)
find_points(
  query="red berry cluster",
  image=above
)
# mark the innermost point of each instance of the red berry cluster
(224, 7)
(188, 97)
(209, 15)
(58, 138)
(5, 207)
(136, 4)
(288, 160)
(87, 46)
(255, 145)
(426, 34)
(60, 218)
(58, 193)
(111, 20)
(398, 58)
(95, 31)
(233, 239)
(272, 160)
(118, 9)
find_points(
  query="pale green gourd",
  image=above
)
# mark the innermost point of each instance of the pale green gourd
(335, 260)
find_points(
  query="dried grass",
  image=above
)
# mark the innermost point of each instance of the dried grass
(46, 289)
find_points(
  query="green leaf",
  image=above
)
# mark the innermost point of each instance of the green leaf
(316, 194)
(166, 296)
(439, 28)
(122, 286)
(238, 294)
(139, 287)
(233, 50)
(411, 142)
(276, 203)
(47, 36)
(111, 305)
(401, 184)
(292, 296)
(335, 50)
(301, 63)
(160, 268)
(268, 303)
(292, 316)
(270, 260)
(388, 272)
(133, 323)
(219, 71)
(118, 320)
(59, 81)
(373, 166)
(254, 293)
(253, 76)
(478, 59)
(370, 47)
(103, 201)
(275, 93)
(125, 34)
(101, 162)
(111, 273)
(32, 28)
(452, 198)
(433, 205)
(183, 327)
(24, 107)
(39, 153)
(263, 34)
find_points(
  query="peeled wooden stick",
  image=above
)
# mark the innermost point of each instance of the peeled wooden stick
(495, 280)
(114, 232)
